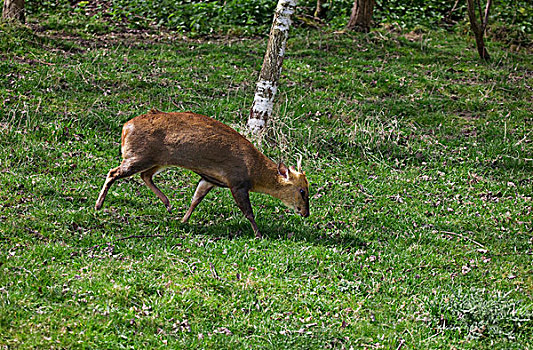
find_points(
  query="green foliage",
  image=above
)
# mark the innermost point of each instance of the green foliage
(414, 12)
(186, 15)
(255, 16)
(515, 12)
(410, 13)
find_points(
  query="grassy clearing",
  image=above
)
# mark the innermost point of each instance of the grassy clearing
(420, 162)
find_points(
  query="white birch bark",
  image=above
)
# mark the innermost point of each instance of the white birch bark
(267, 85)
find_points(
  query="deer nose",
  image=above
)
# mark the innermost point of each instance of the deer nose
(304, 213)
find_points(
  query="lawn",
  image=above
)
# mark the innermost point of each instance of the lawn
(420, 161)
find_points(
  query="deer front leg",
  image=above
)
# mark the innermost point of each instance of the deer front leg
(202, 190)
(125, 169)
(242, 197)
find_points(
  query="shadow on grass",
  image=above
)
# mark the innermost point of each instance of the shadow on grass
(27, 38)
(406, 48)
(287, 232)
(209, 228)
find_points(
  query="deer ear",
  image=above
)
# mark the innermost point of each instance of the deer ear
(283, 170)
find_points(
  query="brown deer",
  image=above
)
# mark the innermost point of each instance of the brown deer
(221, 156)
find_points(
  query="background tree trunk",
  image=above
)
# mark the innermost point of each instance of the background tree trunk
(268, 78)
(479, 27)
(361, 17)
(13, 9)
(319, 10)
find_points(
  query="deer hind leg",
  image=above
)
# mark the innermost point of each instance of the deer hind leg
(125, 169)
(147, 178)
(202, 190)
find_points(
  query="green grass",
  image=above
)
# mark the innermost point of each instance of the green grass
(420, 163)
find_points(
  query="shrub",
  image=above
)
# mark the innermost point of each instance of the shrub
(480, 313)
(256, 15)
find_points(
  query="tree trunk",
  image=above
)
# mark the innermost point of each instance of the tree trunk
(479, 28)
(481, 49)
(268, 78)
(13, 9)
(361, 17)
(319, 10)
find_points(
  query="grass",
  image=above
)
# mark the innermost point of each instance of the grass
(419, 158)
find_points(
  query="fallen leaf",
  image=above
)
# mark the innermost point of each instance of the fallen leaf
(223, 330)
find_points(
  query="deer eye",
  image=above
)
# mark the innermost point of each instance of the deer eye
(302, 192)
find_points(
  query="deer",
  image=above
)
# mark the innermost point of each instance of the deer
(153, 142)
